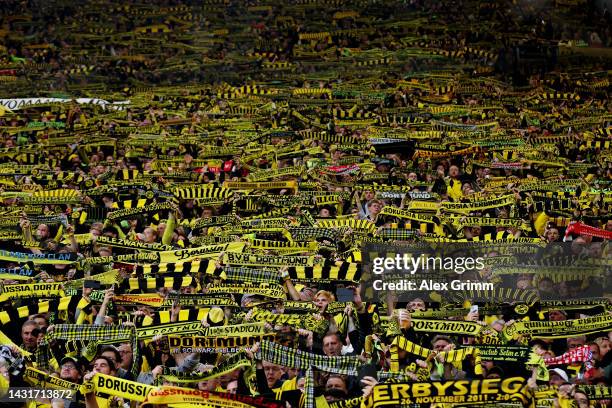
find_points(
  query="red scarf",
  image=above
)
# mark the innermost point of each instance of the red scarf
(578, 355)
(583, 229)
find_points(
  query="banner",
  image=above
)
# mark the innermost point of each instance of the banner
(22, 103)
(118, 387)
(447, 327)
(503, 353)
(126, 244)
(149, 299)
(208, 344)
(41, 379)
(175, 396)
(207, 251)
(235, 185)
(559, 329)
(39, 290)
(165, 329)
(232, 258)
(44, 258)
(268, 290)
(451, 392)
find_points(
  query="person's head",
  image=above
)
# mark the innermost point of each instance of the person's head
(552, 235)
(336, 382)
(546, 285)
(307, 294)
(207, 212)
(322, 298)
(273, 372)
(557, 315)
(42, 232)
(374, 207)
(582, 400)
(416, 304)
(96, 229)
(565, 389)
(70, 369)
(209, 385)
(595, 250)
(467, 189)
(332, 345)
(149, 235)
(575, 342)
(126, 352)
(524, 282)
(453, 171)
(29, 334)
(440, 342)
(105, 251)
(104, 365)
(369, 195)
(471, 232)
(605, 345)
(112, 354)
(557, 376)
(300, 383)
(324, 212)
(108, 201)
(595, 353)
(161, 228)
(578, 245)
(335, 388)
(498, 325)
(42, 321)
(232, 387)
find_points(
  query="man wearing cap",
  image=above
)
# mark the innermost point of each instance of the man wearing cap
(557, 377)
(71, 369)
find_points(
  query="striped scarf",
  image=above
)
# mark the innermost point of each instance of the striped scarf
(241, 274)
(308, 233)
(346, 271)
(144, 284)
(580, 354)
(288, 357)
(452, 356)
(73, 332)
(199, 266)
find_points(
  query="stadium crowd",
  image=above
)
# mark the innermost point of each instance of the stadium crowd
(189, 191)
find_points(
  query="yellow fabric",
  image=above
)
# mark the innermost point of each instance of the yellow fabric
(540, 223)
(5, 340)
(102, 402)
(289, 385)
(454, 189)
(4, 385)
(321, 402)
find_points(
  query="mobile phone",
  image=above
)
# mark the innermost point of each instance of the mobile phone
(474, 308)
(91, 284)
(344, 295)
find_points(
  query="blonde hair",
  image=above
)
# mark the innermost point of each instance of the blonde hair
(330, 296)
